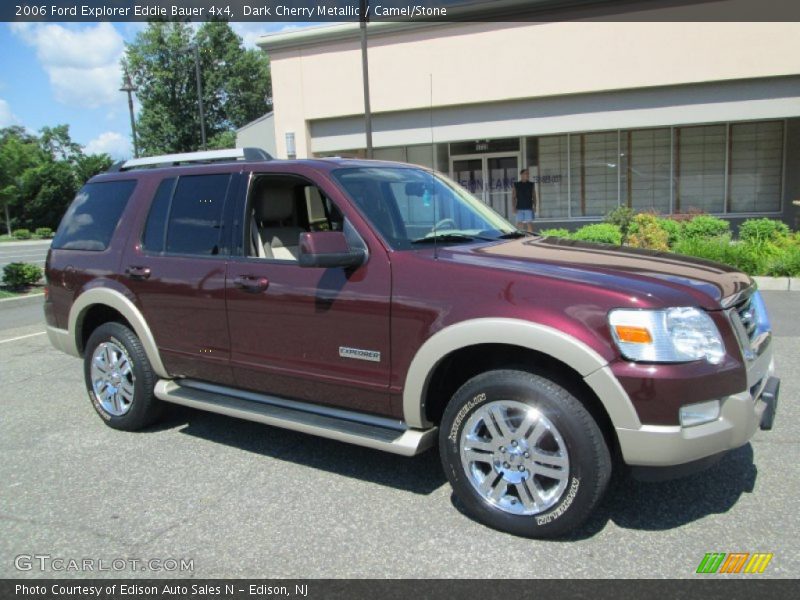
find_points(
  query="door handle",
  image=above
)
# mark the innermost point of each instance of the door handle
(251, 284)
(138, 272)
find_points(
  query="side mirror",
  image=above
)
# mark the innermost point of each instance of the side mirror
(327, 249)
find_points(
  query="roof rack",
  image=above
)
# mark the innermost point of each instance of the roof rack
(188, 158)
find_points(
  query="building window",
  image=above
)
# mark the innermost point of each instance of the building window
(549, 172)
(756, 167)
(645, 157)
(593, 171)
(700, 168)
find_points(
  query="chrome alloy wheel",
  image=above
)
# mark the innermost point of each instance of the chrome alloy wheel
(112, 378)
(514, 457)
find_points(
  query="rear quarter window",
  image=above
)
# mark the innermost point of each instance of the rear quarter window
(93, 216)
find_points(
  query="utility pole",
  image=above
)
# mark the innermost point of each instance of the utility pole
(365, 76)
(128, 87)
(200, 94)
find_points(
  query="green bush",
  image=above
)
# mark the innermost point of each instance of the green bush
(646, 232)
(749, 258)
(20, 275)
(559, 232)
(710, 249)
(764, 230)
(44, 232)
(604, 233)
(705, 226)
(785, 264)
(622, 217)
(673, 228)
(21, 234)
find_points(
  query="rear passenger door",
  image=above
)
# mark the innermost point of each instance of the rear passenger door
(177, 272)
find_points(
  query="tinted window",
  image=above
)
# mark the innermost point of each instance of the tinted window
(156, 227)
(93, 215)
(195, 218)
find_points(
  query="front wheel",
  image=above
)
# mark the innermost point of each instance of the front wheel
(523, 454)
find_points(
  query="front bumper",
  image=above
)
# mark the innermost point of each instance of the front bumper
(741, 415)
(656, 445)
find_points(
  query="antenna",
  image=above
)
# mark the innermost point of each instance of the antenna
(433, 164)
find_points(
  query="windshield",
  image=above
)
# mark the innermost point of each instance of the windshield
(411, 206)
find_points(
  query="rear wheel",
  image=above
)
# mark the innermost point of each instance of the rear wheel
(119, 378)
(523, 454)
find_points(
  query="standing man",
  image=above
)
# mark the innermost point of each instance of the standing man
(524, 201)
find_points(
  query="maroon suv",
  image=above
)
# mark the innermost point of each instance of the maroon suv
(381, 304)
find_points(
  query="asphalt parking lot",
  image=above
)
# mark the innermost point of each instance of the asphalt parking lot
(246, 500)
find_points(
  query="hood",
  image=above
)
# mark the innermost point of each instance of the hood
(662, 276)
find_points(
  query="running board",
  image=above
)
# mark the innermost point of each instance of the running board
(336, 424)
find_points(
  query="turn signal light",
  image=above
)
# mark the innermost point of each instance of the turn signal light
(633, 335)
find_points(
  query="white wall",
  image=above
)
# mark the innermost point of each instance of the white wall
(484, 63)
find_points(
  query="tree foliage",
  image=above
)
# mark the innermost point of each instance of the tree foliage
(39, 174)
(235, 81)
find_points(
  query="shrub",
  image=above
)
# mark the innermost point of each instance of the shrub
(749, 258)
(44, 232)
(673, 228)
(709, 249)
(21, 234)
(705, 226)
(604, 233)
(646, 232)
(622, 217)
(764, 230)
(559, 232)
(20, 275)
(785, 264)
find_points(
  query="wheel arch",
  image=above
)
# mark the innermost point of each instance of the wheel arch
(109, 302)
(549, 347)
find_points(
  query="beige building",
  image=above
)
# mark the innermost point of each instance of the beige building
(662, 116)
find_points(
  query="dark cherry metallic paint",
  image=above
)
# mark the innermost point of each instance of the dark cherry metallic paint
(284, 339)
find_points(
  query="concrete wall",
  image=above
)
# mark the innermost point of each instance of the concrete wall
(484, 63)
(258, 134)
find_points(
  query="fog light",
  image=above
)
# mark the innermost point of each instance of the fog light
(702, 412)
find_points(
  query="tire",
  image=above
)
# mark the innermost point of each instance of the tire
(533, 474)
(119, 378)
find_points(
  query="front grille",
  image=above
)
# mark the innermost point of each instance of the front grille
(748, 318)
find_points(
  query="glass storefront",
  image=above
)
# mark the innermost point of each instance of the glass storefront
(721, 168)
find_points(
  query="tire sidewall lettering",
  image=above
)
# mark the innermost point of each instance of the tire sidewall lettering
(462, 414)
(569, 497)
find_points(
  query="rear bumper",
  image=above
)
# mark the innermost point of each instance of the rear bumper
(62, 340)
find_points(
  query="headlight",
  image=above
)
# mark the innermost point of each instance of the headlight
(669, 335)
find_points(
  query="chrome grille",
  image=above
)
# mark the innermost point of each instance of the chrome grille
(748, 318)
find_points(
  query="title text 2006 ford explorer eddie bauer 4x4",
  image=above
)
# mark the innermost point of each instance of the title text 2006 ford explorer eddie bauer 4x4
(380, 304)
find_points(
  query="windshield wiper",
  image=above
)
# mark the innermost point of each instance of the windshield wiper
(512, 235)
(448, 237)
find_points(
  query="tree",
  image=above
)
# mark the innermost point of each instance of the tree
(19, 152)
(235, 81)
(39, 175)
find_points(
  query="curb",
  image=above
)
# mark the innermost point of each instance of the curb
(23, 300)
(778, 284)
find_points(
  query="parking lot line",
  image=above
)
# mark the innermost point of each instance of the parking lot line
(22, 337)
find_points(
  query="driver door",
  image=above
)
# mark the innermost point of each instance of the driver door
(316, 334)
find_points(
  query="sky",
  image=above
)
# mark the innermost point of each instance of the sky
(68, 73)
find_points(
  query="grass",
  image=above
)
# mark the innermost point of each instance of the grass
(31, 291)
(33, 238)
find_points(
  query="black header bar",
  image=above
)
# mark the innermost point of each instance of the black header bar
(328, 11)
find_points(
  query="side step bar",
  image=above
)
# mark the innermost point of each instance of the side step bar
(345, 426)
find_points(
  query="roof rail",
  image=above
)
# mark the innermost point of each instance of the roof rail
(187, 158)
